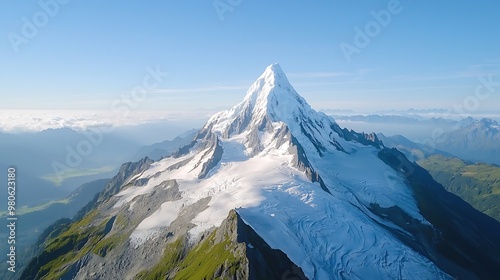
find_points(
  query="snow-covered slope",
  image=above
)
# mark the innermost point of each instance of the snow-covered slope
(303, 184)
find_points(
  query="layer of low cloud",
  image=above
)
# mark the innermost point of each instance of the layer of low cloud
(18, 121)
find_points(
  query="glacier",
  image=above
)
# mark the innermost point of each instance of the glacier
(297, 179)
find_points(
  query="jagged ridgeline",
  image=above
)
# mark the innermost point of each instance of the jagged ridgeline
(272, 189)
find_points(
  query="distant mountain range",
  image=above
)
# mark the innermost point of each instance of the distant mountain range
(40, 157)
(469, 139)
(413, 151)
(165, 148)
(477, 140)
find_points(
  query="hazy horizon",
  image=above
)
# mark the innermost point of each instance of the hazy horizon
(29, 121)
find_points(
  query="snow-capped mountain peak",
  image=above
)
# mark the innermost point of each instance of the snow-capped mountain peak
(273, 106)
(486, 123)
(270, 98)
(268, 84)
(273, 93)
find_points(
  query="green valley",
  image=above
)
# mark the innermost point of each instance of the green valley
(478, 184)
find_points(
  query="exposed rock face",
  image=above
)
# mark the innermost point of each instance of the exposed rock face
(212, 156)
(301, 162)
(264, 262)
(363, 138)
(126, 171)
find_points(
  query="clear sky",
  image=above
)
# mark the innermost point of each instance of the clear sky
(88, 54)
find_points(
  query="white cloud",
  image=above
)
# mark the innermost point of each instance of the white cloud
(15, 121)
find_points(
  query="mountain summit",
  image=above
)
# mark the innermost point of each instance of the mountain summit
(271, 183)
(270, 98)
(270, 105)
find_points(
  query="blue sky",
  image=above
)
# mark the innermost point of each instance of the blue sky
(88, 54)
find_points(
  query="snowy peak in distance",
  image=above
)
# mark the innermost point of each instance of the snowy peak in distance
(488, 123)
(483, 124)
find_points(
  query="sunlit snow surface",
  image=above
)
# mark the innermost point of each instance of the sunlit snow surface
(330, 236)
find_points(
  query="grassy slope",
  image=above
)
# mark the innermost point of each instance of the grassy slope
(201, 262)
(478, 184)
(85, 236)
(64, 249)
